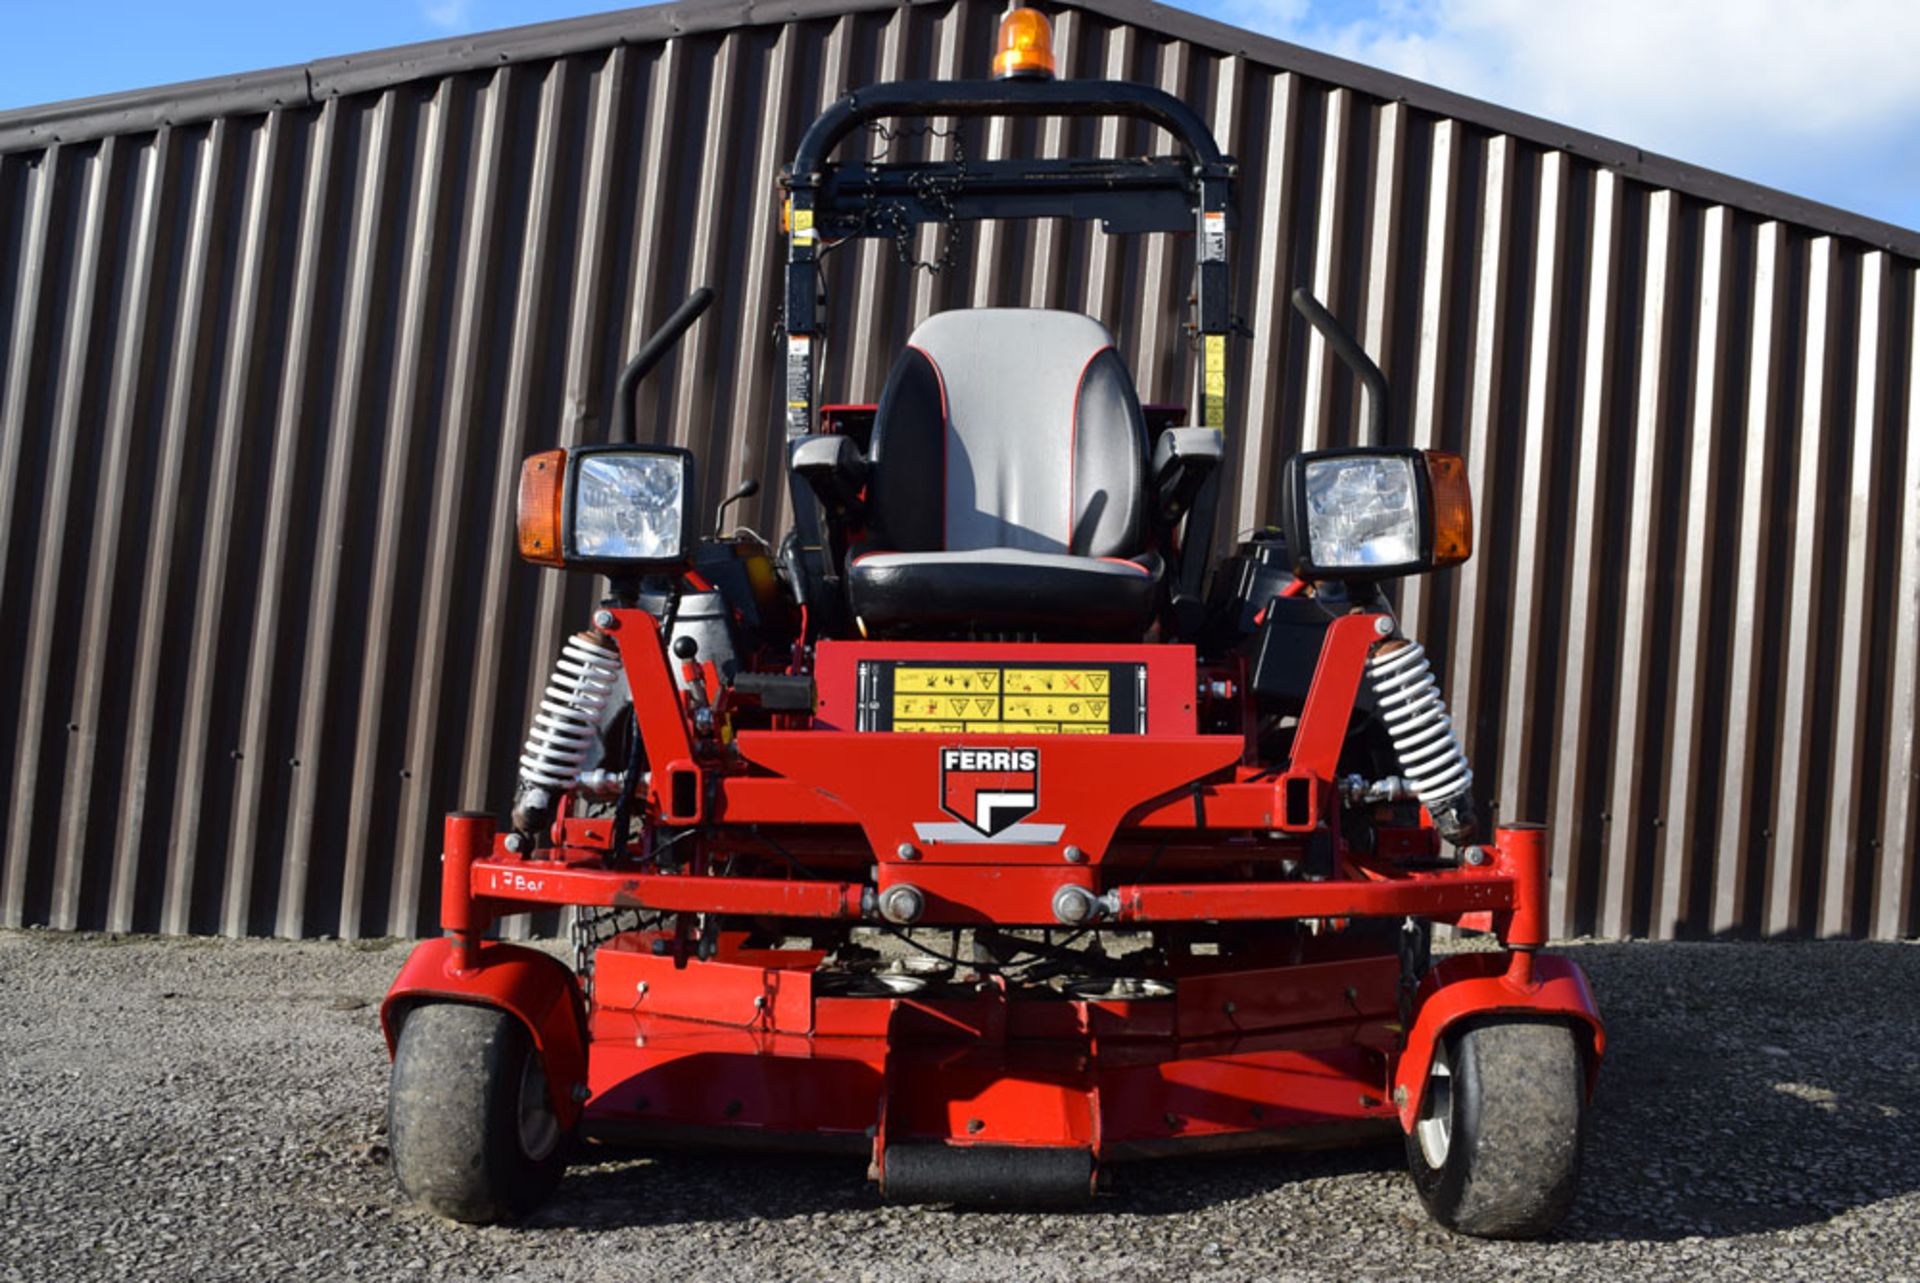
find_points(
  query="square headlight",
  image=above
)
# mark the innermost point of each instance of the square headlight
(629, 506)
(1358, 514)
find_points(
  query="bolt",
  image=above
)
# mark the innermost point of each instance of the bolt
(1475, 855)
(1075, 855)
(1383, 624)
(580, 1093)
(1173, 1122)
(975, 1126)
(517, 843)
(703, 721)
(1400, 1097)
(902, 904)
(606, 621)
(907, 851)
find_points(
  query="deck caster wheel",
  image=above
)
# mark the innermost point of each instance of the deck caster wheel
(1495, 1151)
(469, 1121)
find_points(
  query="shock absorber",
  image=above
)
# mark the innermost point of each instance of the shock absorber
(565, 735)
(1430, 754)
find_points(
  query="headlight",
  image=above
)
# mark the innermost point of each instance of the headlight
(629, 507)
(1370, 514)
(613, 507)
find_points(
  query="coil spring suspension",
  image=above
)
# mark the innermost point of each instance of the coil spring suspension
(1430, 755)
(567, 726)
(565, 733)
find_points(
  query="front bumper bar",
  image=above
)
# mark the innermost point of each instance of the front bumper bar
(1506, 894)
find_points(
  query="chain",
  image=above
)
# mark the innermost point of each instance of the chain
(936, 194)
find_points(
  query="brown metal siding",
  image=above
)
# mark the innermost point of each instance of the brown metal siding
(270, 354)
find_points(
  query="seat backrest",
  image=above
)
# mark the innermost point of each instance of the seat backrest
(1010, 428)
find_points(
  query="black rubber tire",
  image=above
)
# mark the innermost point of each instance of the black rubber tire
(1515, 1114)
(454, 1114)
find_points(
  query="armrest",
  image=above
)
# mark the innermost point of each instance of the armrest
(1183, 458)
(834, 467)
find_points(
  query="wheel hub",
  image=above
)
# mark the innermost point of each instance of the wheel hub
(1435, 1128)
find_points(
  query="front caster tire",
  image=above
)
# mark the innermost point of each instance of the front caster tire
(469, 1122)
(1495, 1151)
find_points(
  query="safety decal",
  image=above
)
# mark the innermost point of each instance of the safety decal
(799, 384)
(1213, 236)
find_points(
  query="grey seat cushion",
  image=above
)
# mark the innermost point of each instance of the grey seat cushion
(1007, 431)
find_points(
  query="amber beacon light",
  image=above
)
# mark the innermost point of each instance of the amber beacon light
(1026, 46)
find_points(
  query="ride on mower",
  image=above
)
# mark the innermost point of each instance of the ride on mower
(985, 828)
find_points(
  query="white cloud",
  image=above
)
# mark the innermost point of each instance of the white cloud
(449, 15)
(1809, 96)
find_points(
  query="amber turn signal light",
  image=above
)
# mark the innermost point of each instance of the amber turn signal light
(542, 481)
(1452, 508)
(1026, 46)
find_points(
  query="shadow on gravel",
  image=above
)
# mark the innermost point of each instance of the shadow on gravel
(1735, 1099)
(1739, 1098)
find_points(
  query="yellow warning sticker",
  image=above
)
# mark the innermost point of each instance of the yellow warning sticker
(1213, 381)
(988, 699)
(1057, 681)
(802, 224)
(1057, 708)
(950, 681)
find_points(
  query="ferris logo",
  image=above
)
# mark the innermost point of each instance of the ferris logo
(989, 789)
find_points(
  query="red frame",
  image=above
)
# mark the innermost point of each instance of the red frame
(1173, 826)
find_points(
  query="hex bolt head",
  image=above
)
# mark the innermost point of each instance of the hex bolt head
(902, 904)
(907, 851)
(1475, 855)
(606, 621)
(1075, 855)
(1383, 625)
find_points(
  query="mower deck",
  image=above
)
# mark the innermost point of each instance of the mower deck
(763, 1047)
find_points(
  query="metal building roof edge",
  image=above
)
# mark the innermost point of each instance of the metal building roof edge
(140, 110)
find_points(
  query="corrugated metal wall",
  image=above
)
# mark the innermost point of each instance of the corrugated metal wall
(270, 354)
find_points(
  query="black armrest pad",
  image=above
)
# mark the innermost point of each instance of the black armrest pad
(834, 467)
(1182, 459)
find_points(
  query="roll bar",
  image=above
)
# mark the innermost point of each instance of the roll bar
(1005, 98)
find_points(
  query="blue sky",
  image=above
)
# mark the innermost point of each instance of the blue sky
(1819, 98)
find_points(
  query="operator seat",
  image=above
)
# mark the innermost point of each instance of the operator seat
(1007, 485)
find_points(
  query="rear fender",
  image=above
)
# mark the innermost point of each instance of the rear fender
(534, 988)
(1471, 985)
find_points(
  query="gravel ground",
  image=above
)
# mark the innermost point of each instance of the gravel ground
(209, 1110)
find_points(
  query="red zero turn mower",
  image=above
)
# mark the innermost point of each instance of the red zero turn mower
(986, 829)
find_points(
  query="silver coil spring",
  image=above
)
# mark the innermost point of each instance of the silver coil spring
(1417, 722)
(567, 728)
